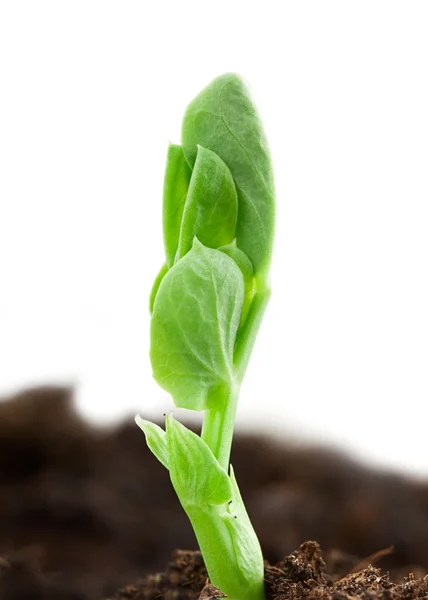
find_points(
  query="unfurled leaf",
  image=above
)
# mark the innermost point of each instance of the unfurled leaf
(211, 208)
(195, 473)
(156, 440)
(195, 319)
(224, 119)
(176, 183)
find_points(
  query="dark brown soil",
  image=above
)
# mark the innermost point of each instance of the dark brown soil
(93, 510)
(303, 574)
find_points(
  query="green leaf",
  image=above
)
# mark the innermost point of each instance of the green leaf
(211, 208)
(156, 440)
(193, 329)
(224, 119)
(196, 475)
(248, 554)
(163, 271)
(176, 183)
(246, 268)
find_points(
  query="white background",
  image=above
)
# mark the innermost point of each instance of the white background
(91, 93)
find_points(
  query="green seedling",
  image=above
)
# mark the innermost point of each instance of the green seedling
(207, 304)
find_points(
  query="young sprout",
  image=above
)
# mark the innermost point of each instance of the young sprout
(207, 304)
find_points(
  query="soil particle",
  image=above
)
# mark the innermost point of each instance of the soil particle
(184, 579)
(211, 593)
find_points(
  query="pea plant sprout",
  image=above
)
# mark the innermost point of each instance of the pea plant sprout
(206, 307)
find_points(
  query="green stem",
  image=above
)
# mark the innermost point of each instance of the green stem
(217, 544)
(247, 336)
(221, 539)
(218, 424)
(217, 428)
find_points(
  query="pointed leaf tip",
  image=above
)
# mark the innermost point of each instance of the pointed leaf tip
(156, 439)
